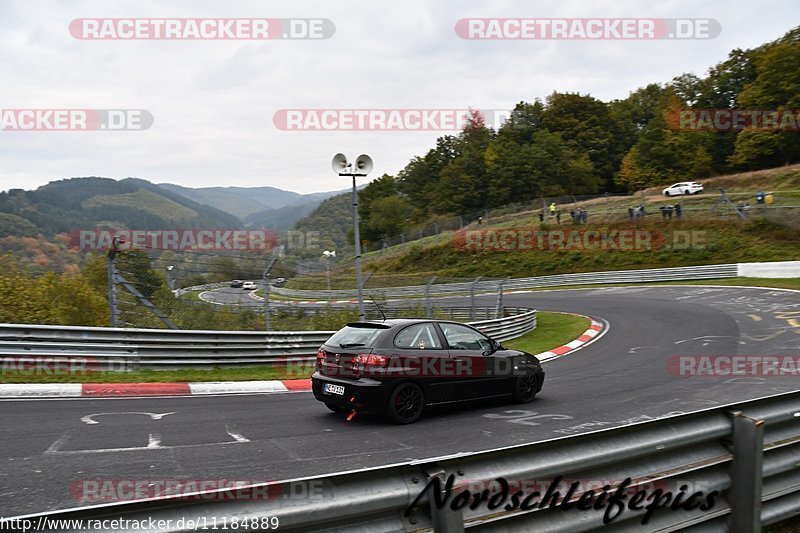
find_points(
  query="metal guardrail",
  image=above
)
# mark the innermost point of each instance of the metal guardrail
(588, 278)
(118, 348)
(206, 287)
(749, 453)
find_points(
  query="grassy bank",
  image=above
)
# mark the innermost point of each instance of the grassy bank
(725, 240)
(552, 330)
(717, 242)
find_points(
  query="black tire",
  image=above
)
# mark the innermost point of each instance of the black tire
(687, 192)
(335, 408)
(525, 388)
(405, 404)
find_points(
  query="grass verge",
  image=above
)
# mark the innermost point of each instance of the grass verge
(552, 330)
(776, 283)
(165, 376)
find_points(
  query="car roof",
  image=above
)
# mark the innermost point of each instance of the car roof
(391, 322)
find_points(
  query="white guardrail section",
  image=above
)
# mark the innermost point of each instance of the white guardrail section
(742, 458)
(118, 348)
(777, 269)
(588, 278)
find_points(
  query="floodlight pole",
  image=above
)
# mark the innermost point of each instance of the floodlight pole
(357, 237)
(364, 164)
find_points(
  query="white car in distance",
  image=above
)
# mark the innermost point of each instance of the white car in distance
(684, 187)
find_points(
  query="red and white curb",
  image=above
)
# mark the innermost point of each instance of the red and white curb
(595, 331)
(121, 390)
(106, 390)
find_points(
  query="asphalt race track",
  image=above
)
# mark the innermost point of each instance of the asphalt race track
(619, 379)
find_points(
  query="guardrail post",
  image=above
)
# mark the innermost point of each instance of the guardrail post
(746, 474)
(445, 520)
(472, 298)
(428, 297)
(112, 286)
(267, 321)
(499, 312)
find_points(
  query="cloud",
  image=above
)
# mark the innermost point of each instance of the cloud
(213, 102)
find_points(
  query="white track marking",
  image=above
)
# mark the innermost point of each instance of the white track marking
(89, 419)
(238, 437)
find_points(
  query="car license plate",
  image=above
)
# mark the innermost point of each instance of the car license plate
(333, 389)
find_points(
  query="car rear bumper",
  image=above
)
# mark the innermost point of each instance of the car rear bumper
(365, 394)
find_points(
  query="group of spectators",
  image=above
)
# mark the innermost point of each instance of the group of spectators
(580, 216)
(668, 210)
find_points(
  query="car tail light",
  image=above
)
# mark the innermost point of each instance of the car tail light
(369, 362)
(320, 358)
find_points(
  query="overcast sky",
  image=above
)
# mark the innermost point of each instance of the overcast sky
(213, 102)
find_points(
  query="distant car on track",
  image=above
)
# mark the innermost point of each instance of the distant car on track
(237, 283)
(684, 187)
(398, 367)
(249, 286)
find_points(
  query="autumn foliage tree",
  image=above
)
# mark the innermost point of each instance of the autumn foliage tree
(50, 298)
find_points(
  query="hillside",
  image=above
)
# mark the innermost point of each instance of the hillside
(239, 201)
(267, 207)
(282, 218)
(333, 219)
(79, 203)
(722, 239)
(34, 224)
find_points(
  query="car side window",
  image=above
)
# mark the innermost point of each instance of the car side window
(418, 337)
(464, 338)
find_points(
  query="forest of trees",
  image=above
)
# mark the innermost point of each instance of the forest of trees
(575, 144)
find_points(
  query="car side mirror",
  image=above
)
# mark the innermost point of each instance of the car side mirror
(494, 346)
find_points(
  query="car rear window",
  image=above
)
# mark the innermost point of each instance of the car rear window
(356, 335)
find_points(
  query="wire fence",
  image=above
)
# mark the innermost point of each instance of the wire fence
(715, 204)
(152, 288)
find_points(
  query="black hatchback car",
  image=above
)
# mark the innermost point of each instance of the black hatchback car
(398, 367)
